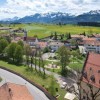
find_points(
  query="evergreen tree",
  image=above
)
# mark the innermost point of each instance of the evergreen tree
(21, 43)
(3, 45)
(18, 54)
(10, 50)
(63, 54)
(52, 86)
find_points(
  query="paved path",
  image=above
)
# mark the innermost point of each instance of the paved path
(10, 77)
(60, 79)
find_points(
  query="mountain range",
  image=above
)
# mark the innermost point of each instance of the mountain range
(57, 17)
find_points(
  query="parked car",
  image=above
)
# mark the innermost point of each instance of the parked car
(63, 86)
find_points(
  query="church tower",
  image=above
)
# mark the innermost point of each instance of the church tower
(25, 35)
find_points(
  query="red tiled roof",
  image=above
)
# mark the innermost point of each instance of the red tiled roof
(77, 36)
(42, 44)
(92, 68)
(31, 38)
(89, 39)
(97, 35)
(11, 91)
(92, 42)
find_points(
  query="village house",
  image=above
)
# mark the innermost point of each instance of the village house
(42, 45)
(70, 45)
(77, 37)
(90, 84)
(89, 45)
(16, 39)
(97, 36)
(12, 91)
(54, 46)
(32, 41)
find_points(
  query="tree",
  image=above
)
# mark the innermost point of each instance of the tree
(27, 51)
(84, 33)
(68, 35)
(8, 38)
(40, 60)
(51, 35)
(10, 50)
(85, 91)
(63, 54)
(35, 60)
(55, 36)
(52, 86)
(73, 42)
(43, 66)
(46, 49)
(18, 54)
(21, 43)
(3, 45)
(32, 60)
(89, 91)
(60, 24)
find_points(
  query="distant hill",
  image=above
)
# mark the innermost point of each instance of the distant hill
(57, 17)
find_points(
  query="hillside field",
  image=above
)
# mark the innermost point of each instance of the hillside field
(43, 30)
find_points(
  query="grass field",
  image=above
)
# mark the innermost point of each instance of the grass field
(34, 76)
(42, 30)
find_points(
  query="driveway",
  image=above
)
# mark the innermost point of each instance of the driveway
(10, 77)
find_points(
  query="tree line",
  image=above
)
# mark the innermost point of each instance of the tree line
(97, 24)
(20, 53)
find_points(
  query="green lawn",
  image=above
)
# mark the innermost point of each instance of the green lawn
(34, 76)
(42, 30)
(76, 66)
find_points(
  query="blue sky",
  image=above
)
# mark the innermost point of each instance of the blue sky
(21, 8)
(2, 2)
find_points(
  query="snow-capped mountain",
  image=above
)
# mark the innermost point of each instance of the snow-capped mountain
(92, 12)
(59, 17)
(92, 16)
(11, 19)
(45, 18)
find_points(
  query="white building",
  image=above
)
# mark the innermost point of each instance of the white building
(92, 46)
(55, 45)
(82, 49)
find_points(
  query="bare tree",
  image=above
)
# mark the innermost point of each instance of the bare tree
(86, 91)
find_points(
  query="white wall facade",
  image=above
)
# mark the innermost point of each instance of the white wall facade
(93, 48)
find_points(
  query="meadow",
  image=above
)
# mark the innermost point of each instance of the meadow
(43, 30)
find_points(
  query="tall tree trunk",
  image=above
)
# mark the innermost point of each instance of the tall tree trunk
(43, 67)
(35, 60)
(31, 63)
(39, 61)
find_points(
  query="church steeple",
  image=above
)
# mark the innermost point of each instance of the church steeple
(25, 35)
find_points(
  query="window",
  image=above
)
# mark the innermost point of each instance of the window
(90, 68)
(85, 74)
(84, 98)
(98, 71)
(92, 78)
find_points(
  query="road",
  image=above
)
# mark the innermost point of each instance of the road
(10, 77)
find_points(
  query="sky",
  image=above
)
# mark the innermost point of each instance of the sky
(21, 8)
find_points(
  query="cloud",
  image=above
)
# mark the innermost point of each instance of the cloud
(22, 8)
